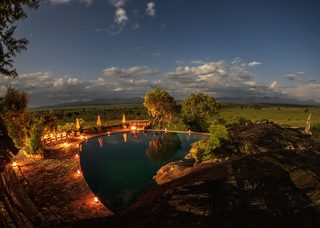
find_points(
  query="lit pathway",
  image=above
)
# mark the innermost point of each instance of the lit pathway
(60, 193)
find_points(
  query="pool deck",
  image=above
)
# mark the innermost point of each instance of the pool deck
(57, 190)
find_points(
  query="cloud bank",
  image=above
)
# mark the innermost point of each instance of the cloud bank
(215, 78)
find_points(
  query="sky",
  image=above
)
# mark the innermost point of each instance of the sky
(88, 49)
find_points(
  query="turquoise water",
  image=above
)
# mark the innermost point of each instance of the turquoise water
(121, 166)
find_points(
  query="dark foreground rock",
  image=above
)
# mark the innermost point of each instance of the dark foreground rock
(267, 176)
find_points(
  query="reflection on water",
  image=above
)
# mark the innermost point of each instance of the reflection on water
(118, 167)
(125, 136)
(163, 147)
(100, 140)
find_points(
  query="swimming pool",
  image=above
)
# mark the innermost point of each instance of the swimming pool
(121, 166)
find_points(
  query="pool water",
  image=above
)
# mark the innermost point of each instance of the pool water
(121, 166)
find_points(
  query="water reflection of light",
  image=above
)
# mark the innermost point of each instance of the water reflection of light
(125, 136)
(100, 140)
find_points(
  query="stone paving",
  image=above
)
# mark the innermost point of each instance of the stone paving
(60, 193)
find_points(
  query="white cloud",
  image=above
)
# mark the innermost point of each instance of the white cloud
(304, 91)
(254, 63)
(150, 10)
(129, 72)
(295, 76)
(121, 16)
(273, 85)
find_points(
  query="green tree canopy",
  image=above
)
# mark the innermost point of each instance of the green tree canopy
(10, 12)
(161, 106)
(196, 109)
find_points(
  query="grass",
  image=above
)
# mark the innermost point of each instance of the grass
(293, 116)
(112, 114)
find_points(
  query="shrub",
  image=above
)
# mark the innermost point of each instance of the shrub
(203, 149)
(35, 145)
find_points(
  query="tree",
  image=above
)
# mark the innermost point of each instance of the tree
(10, 12)
(196, 110)
(15, 115)
(161, 106)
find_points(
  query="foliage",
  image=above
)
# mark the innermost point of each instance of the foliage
(161, 106)
(196, 110)
(203, 150)
(35, 145)
(12, 11)
(241, 121)
(15, 115)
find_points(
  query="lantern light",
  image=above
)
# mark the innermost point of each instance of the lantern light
(96, 200)
(79, 172)
(14, 164)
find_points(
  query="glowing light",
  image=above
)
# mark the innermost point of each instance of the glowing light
(77, 156)
(133, 128)
(79, 172)
(125, 136)
(108, 133)
(14, 164)
(165, 130)
(189, 132)
(96, 199)
(78, 145)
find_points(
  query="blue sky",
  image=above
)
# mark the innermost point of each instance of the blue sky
(86, 49)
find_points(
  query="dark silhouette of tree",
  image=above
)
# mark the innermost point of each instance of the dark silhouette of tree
(12, 11)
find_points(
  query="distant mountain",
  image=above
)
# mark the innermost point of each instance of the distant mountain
(98, 101)
(222, 100)
(265, 100)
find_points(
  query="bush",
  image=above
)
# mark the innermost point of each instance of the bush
(35, 145)
(203, 149)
